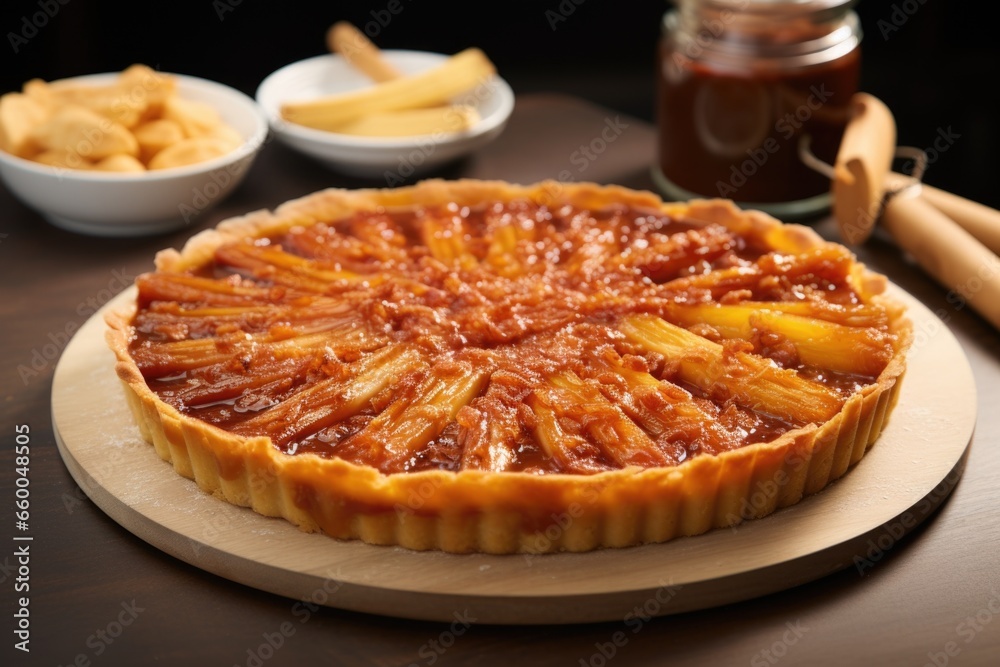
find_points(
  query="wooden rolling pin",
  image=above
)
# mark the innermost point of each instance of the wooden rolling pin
(981, 221)
(955, 257)
(862, 173)
(864, 159)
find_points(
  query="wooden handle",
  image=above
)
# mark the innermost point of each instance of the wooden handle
(981, 221)
(357, 49)
(864, 159)
(949, 253)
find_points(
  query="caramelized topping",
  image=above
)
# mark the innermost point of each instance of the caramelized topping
(510, 337)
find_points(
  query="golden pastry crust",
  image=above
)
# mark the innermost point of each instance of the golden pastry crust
(508, 512)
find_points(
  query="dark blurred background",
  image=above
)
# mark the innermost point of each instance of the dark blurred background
(935, 63)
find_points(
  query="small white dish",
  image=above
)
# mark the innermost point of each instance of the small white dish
(116, 204)
(393, 159)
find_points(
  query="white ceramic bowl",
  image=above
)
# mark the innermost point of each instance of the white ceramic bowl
(393, 158)
(110, 204)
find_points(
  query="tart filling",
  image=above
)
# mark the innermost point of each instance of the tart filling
(476, 366)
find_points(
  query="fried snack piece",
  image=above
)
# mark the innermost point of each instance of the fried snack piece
(411, 122)
(120, 163)
(156, 135)
(117, 127)
(196, 119)
(63, 159)
(189, 151)
(19, 114)
(456, 75)
(357, 49)
(78, 129)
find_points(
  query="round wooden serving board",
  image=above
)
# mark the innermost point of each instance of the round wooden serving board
(910, 470)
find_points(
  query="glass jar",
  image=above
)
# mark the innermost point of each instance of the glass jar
(740, 82)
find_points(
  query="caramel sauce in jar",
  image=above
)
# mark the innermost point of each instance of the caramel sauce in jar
(740, 83)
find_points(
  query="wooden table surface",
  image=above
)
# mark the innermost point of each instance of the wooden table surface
(100, 596)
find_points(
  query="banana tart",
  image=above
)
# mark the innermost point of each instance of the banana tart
(476, 366)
